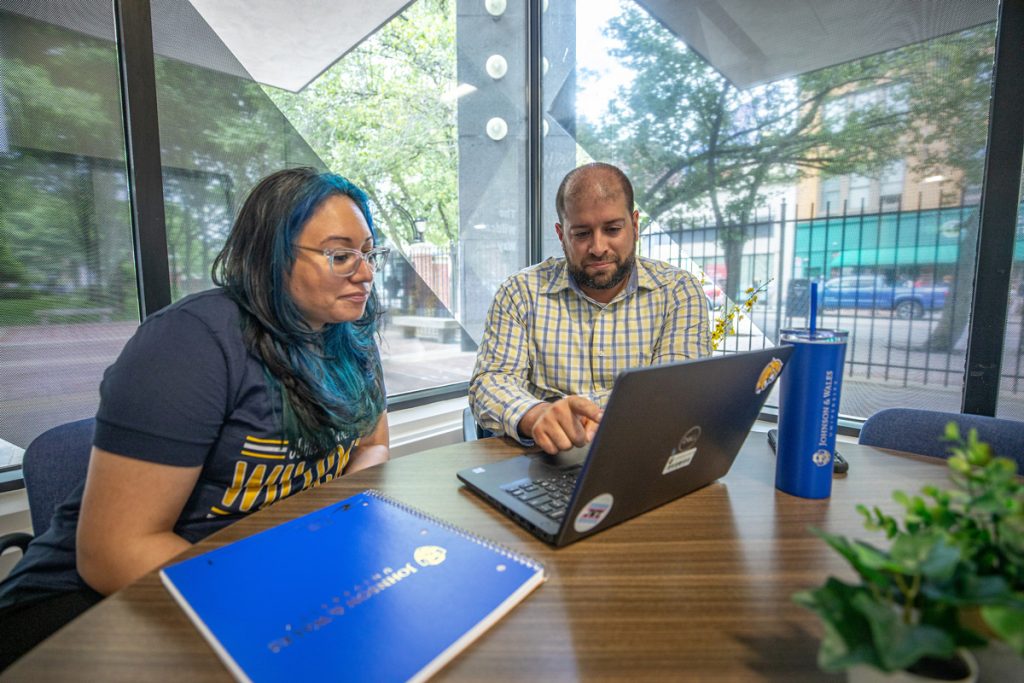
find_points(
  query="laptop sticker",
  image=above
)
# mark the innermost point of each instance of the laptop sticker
(768, 375)
(593, 513)
(682, 454)
(679, 460)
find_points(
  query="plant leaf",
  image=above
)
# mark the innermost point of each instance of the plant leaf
(847, 640)
(1008, 623)
(898, 644)
(924, 553)
(952, 431)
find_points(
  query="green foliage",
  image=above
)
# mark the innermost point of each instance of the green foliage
(379, 116)
(64, 214)
(48, 82)
(11, 269)
(954, 551)
(65, 149)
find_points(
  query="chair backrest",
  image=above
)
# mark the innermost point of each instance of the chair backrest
(471, 431)
(920, 431)
(53, 465)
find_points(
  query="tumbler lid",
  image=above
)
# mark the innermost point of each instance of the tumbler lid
(820, 336)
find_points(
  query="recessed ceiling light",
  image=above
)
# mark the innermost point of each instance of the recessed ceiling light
(495, 7)
(497, 129)
(496, 67)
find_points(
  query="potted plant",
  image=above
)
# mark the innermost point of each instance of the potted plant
(951, 578)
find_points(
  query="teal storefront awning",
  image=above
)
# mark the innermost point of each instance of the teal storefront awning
(896, 256)
(924, 239)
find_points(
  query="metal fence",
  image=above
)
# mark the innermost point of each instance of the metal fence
(901, 253)
(923, 255)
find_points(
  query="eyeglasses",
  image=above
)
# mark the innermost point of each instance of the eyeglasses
(345, 262)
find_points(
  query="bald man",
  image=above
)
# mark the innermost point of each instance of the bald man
(559, 332)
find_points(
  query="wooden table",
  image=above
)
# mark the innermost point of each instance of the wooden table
(698, 589)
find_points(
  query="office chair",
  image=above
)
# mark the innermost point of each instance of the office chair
(471, 431)
(920, 431)
(53, 465)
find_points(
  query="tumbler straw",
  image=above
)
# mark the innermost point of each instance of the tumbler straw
(814, 308)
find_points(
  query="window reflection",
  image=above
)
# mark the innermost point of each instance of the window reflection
(410, 115)
(1011, 385)
(67, 278)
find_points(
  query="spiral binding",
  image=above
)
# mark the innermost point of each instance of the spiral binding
(502, 550)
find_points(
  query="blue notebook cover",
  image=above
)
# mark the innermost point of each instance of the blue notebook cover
(365, 589)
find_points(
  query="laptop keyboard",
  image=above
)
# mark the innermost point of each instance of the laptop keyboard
(549, 496)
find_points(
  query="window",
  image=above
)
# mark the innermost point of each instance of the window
(858, 200)
(427, 110)
(1012, 373)
(419, 115)
(890, 186)
(718, 137)
(830, 196)
(68, 296)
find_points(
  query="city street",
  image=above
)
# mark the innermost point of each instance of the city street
(881, 373)
(50, 374)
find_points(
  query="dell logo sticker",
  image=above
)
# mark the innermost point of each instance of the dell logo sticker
(682, 455)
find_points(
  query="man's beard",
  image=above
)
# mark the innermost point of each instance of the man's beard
(579, 273)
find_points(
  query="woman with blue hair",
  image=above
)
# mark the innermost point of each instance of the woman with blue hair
(222, 403)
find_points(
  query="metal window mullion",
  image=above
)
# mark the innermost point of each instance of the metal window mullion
(534, 121)
(136, 66)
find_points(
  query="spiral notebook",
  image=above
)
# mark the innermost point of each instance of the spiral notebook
(365, 589)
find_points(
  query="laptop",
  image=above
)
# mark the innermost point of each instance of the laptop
(667, 430)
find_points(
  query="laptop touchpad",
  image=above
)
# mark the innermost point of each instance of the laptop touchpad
(573, 457)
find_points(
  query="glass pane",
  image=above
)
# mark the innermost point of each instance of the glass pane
(1011, 387)
(428, 115)
(410, 114)
(211, 154)
(67, 277)
(857, 156)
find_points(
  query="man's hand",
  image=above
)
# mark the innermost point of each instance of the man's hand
(570, 421)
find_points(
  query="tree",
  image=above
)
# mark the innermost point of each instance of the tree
(692, 141)
(63, 207)
(11, 269)
(47, 216)
(376, 118)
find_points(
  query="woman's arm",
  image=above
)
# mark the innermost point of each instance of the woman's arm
(373, 449)
(128, 514)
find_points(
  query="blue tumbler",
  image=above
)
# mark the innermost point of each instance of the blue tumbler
(808, 411)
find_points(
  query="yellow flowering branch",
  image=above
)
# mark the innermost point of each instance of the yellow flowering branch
(725, 324)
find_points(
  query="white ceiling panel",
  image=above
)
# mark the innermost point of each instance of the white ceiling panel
(288, 43)
(759, 41)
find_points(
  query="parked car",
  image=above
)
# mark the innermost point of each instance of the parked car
(872, 291)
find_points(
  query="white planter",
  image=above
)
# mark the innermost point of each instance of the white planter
(997, 663)
(867, 674)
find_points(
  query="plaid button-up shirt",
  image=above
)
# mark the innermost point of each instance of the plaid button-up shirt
(544, 339)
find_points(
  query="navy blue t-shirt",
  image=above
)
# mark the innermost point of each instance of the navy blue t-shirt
(185, 391)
